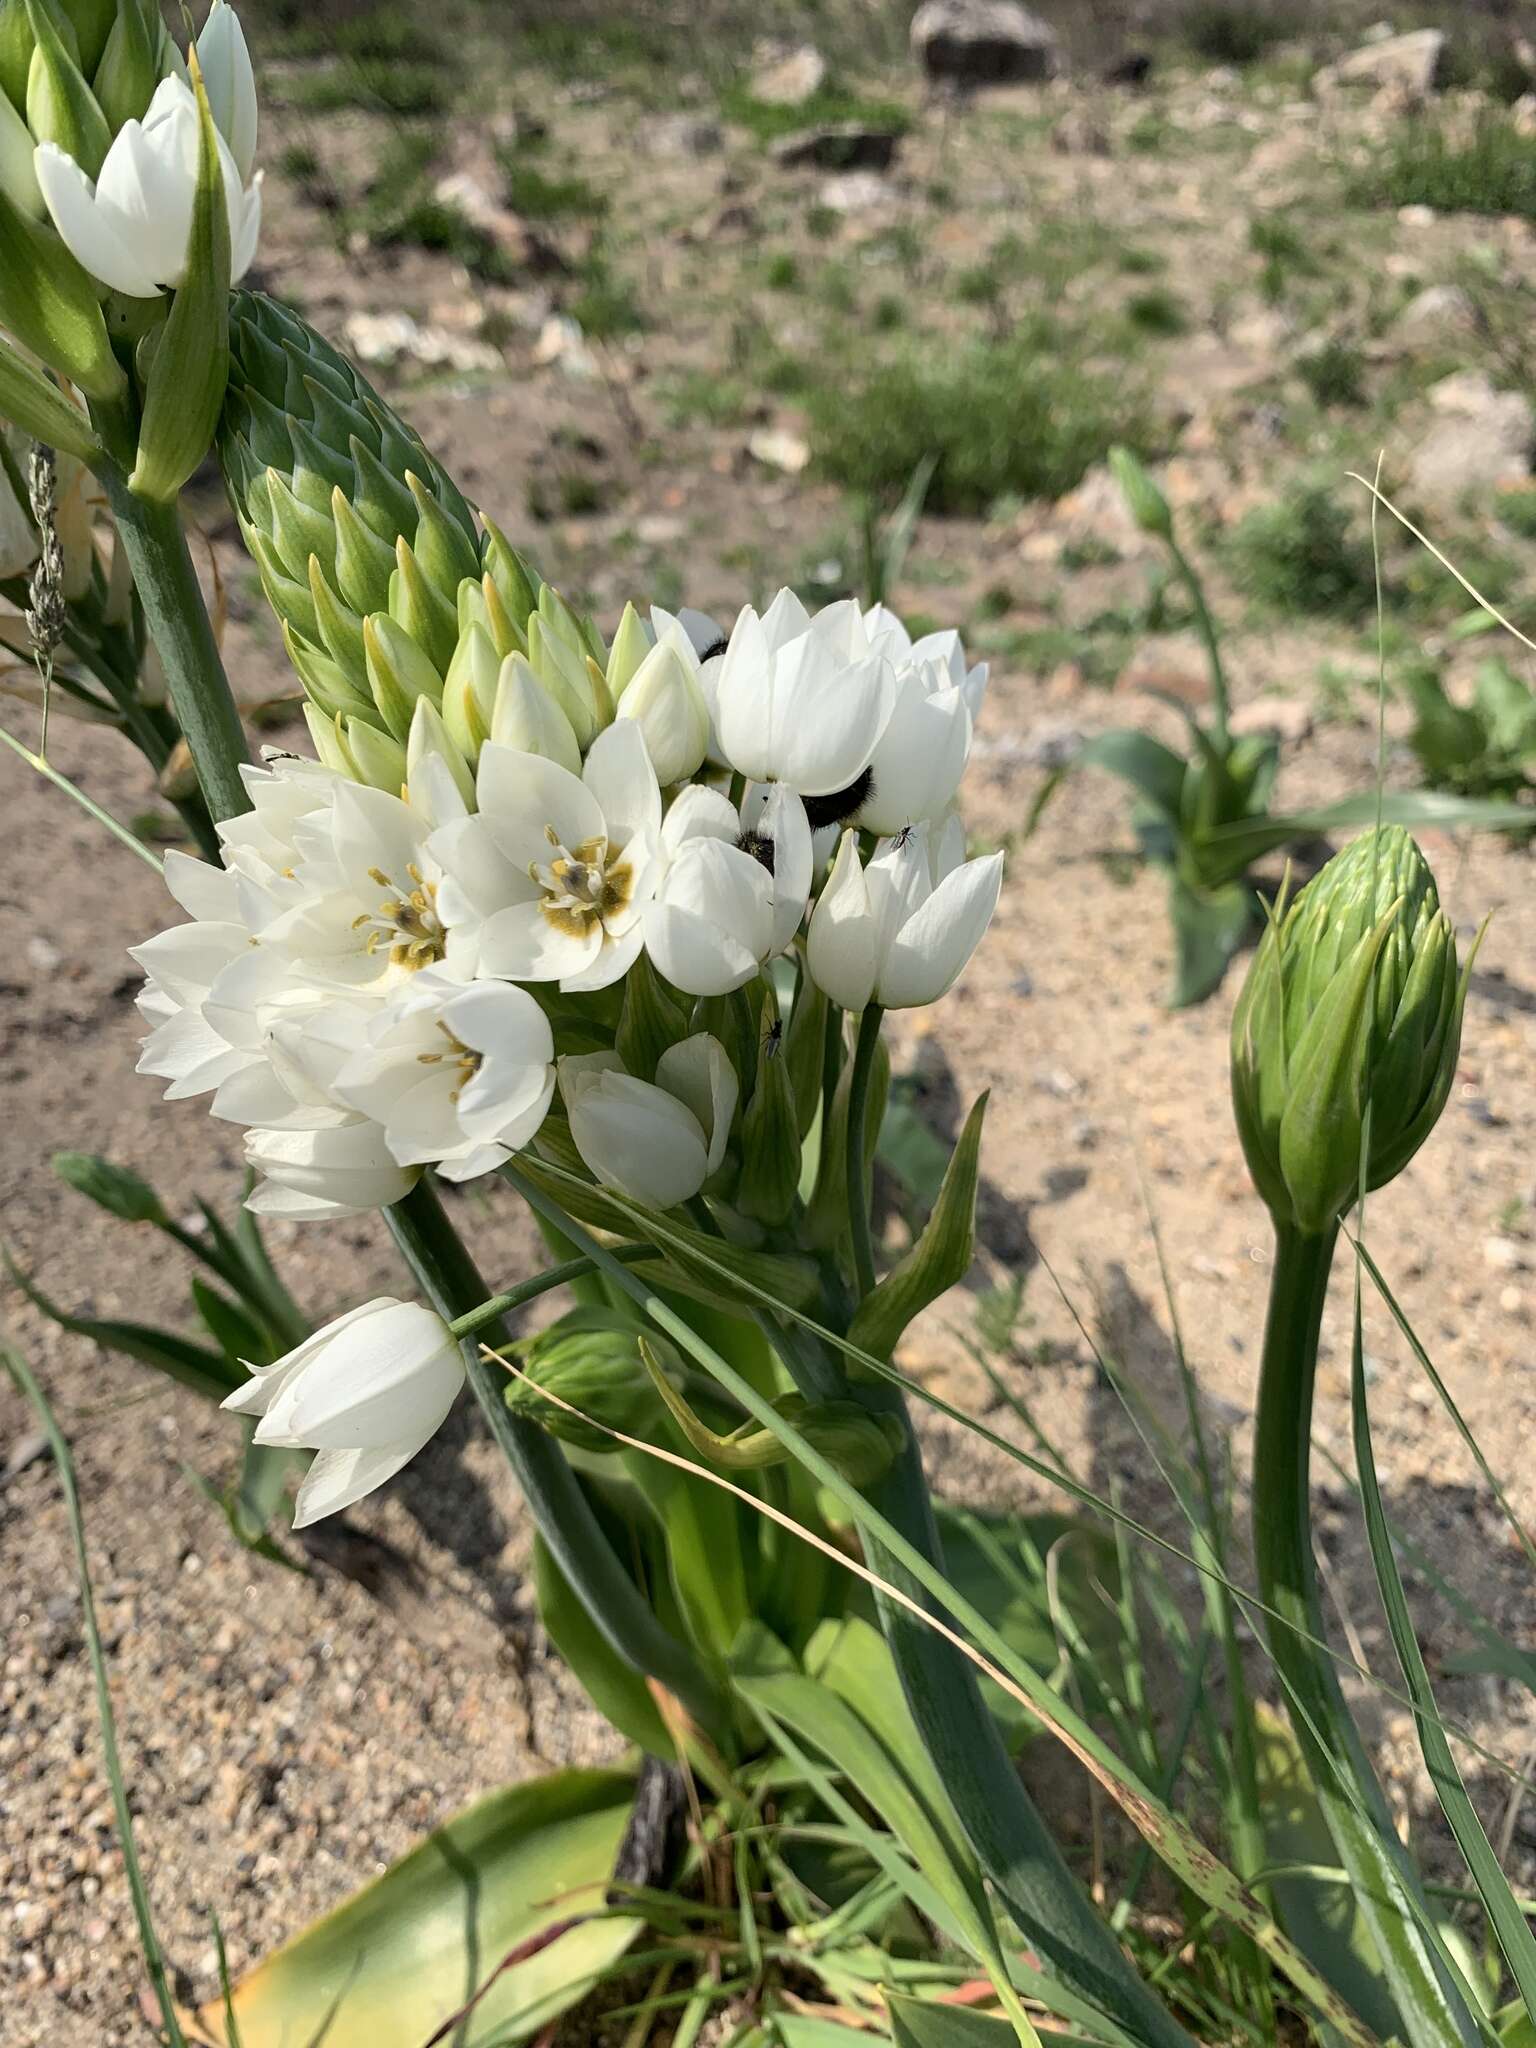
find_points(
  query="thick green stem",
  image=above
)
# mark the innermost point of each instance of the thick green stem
(1430, 2009)
(858, 1164)
(183, 633)
(564, 1518)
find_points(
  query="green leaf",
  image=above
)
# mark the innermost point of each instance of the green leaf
(1209, 926)
(117, 1189)
(1154, 771)
(50, 305)
(29, 401)
(189, 365)
(198, 1366)
(911, 1149)
(1509, 1924)
(615, 1688)
(940, 1258)
(232, 1329)
(1248, 841)
(921, 2023)
(404, 1955)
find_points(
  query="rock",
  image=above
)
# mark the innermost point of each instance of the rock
(840, 146)
(1412, 64)
(788, 79)
(1096, 512)
(463, 191)
(1522, 115)
(983, 42)
(386, 337)
(1080, 133)
(562, 343)
(1440, 312)
(855, 192)
(682, 135)
(777, 448)
(1287, 719)
(1483, 439)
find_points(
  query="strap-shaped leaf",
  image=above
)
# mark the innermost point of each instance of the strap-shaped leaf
(40, 409)
(50, 305)
(941, 1256)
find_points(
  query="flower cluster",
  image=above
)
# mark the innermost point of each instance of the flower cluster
(382, 978)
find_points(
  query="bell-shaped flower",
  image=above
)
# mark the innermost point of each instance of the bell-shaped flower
(941, 650)
(230, 84)
(915, 771)
(803, 700)
(458, 1076)
(665, 700)
(730, 895)
(550, 879)
(655, 1143)
(365, 1393)
(899, 931)
(334, 1164)
(130, 226)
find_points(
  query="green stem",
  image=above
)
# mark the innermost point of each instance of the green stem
(619, 1610)
(542, 1283)
(1220, 701)
(901, 1544)
(115, 826)
(858, 1164)
(183, 633)
(1430, 2009)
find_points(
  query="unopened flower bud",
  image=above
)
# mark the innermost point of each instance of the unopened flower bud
(665, 701)
(594, 1369)
(1353, 1005)
(1146, 503)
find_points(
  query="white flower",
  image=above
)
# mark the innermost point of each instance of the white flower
(899, 931)
(362, 916)
(550, 879)
(940, 650)
(802, 700)
(456, 1076)
(335, 1164)
(657, 1144)
(728, 898)
(666, 701)
(365, 1392)
(130, 226)
(916, 769)
(230, 84)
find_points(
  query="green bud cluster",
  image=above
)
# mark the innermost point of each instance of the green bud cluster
(1350, 1016)
(590, 1359)
(388, 593)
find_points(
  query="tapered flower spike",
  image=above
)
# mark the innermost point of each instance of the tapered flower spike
(1352, 1008)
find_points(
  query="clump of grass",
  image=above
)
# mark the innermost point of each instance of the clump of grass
(781, 273)
(1334, 373)
(1285, 253)
(1490, 169)
(378, 84)
(829, 103)
(1302, 554)
(1517, 511)
(1000, 417)
(299, 162)
(401, 211)
(605, 306)
(1158, 311)
(532, 191)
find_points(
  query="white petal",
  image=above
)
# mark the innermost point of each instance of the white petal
(699, 812)
(520, 944)
(337, 1479)
(89, 237)
(931, 949)
(840, 946)
(609, 964)
(231, 85)
(695, 955)
(620, 776)
(921, 756)
(384, 1380)
(786, 826)
(639, 1140)
(826, 721)
(698, 1071)
(523, 798)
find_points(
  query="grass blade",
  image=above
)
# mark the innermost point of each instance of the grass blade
(1509, 1926)
(154, 1960)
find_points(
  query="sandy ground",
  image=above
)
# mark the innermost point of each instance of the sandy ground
(287, 1736)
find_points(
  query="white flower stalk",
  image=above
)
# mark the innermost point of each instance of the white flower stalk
(365, 1393)
(728, 898)
(130, 226)
(804, 701)
(665, 699)
(550, 879)
(657, 1144)
(899, 931)
(459, 1078)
